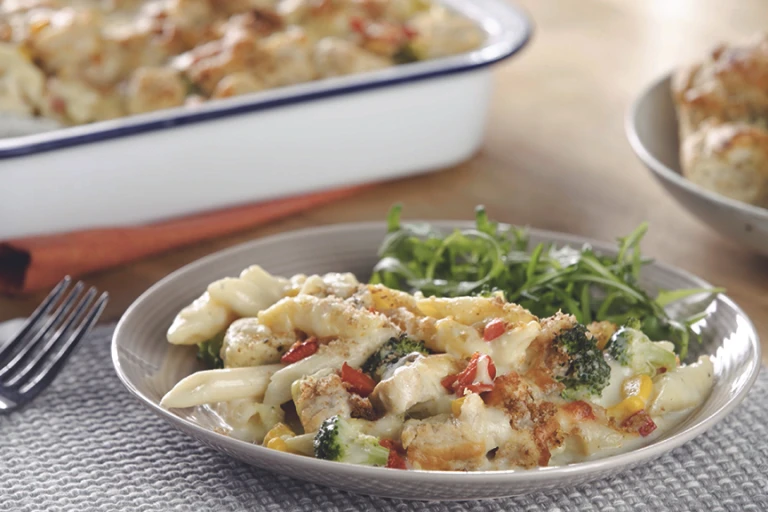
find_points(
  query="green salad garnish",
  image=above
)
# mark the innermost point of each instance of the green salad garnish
(496, 258)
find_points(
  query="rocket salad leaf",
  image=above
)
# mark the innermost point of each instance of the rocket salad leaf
(494, 258)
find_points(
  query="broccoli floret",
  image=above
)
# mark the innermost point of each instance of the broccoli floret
(630, 347)
(406, 54)
(340, 440)
(209, 350)
(587, 372)
(390, 353)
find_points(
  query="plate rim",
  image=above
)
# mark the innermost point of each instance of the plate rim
(620, 461)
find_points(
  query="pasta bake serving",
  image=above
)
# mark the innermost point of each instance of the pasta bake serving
(328, 367)
(81, 61)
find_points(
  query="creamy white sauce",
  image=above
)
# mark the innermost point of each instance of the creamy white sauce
(611, 395)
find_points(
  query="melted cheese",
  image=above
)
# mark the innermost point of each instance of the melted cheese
(611, 394)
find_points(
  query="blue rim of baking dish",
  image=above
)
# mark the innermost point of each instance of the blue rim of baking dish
(508, 30)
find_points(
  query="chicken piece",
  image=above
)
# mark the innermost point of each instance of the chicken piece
(586, 437)
(337, 57)
(65, 40)
(415, 382)
(290, 59)
(21, 83)
(318, 397)
(441, 444)
(601, 332)
(511, 393)
(248, 343)
(207, 64)
(729, 159)
(236, 84)
(537, 431)
(460, 443)
(75, 102)
(441, 33)
(152, 89)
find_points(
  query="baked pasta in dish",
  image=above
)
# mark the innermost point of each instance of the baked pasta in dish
(722, 106)
(327, 367)
(80, 61)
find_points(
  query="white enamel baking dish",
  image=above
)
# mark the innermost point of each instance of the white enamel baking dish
(402, 120)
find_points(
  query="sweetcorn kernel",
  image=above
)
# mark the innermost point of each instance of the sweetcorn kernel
(278, 444)
(279, 430)
(456, 406)
(640, 385)
(626, 408)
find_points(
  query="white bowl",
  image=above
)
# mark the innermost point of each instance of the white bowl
(652, 130)
(373, 126)
(149, 366)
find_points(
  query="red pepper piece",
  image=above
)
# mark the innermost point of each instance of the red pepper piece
(465, 380)
(300, 350)
(396, 459)
(494, 329)
(357, 381)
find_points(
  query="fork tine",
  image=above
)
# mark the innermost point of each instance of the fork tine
(44, 377)
(41, 310)
(67, 317)
(55, 318)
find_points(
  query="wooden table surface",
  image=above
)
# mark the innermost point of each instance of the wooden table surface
(555, 154)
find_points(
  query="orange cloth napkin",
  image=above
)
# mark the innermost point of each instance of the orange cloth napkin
(37, 263)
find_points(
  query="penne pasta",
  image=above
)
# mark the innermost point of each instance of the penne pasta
(223, 385)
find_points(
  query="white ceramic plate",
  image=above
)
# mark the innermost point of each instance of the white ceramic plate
(149, 366)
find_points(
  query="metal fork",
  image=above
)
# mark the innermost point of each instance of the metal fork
(30, 362)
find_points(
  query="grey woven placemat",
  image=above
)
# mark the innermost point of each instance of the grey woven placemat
(87, 444)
